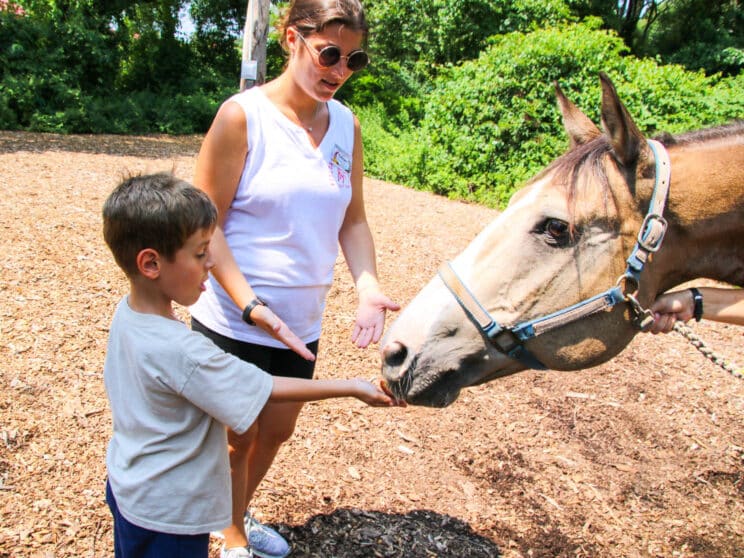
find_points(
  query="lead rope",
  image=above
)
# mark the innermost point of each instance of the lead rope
(700, 345)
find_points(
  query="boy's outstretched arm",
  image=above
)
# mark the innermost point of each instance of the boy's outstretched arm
(295, 389)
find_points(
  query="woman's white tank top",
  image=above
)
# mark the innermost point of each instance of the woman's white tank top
(283, 224)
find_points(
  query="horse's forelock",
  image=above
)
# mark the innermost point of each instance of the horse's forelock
(568, 169)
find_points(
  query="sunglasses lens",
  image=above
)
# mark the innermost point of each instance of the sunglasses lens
(329, 56)
(357, 60)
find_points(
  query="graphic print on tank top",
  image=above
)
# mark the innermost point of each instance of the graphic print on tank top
(340, 167)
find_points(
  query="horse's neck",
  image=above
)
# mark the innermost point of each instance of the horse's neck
(705, 213)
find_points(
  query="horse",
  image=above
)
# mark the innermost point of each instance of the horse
(576, 257)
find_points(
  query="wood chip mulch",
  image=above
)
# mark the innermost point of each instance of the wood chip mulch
(640, 457)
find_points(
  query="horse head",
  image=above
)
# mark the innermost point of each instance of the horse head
(560, 279)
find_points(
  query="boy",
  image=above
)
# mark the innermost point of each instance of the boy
(171, 390)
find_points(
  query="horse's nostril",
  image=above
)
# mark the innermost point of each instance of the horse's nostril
(394, 354)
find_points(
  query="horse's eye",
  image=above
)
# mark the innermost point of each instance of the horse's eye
(556, 232)
(556, 228)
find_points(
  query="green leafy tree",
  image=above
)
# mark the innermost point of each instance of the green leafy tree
(219, 24)
(154, 58)
(94, 66)
(53, 54)
(630, 19)
(122, 66)
(700, 34)
(449, 31)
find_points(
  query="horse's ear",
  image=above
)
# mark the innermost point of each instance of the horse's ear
(578, 126)
(625, 137)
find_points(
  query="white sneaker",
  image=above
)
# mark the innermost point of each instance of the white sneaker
(236, 552)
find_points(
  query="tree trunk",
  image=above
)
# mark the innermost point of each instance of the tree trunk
(255, 34)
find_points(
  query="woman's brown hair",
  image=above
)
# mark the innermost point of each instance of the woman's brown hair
(312, 16)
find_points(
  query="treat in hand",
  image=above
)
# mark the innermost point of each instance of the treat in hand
(386, 388)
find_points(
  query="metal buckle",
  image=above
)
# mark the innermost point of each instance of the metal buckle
(648, 221)
(507, 342)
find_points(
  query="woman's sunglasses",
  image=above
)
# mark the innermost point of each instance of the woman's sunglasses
(330, 55)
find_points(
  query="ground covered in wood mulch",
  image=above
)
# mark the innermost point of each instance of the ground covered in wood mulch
(643, 456)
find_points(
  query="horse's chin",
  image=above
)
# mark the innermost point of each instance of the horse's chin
(429, 384)
(438, 383)
(440, 393)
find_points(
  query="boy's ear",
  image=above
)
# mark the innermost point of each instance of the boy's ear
(148, 263)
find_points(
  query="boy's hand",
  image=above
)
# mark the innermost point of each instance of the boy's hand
(376, 396)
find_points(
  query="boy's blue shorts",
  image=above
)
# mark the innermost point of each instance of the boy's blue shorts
(131, 541)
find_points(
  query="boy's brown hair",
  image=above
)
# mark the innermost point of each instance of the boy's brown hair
(157, 211)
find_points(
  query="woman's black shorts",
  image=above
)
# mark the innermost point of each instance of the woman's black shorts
(277, 362)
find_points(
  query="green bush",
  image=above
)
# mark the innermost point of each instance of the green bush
(139, 112)
(391, 153)
(492, 123)
(412, 40)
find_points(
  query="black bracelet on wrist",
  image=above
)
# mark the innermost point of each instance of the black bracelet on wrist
(248, 309)
(697, 299)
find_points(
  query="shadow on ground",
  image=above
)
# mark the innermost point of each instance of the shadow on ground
(355, 533)
(154, 147)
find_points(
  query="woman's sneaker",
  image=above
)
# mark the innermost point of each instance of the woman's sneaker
(264, 541)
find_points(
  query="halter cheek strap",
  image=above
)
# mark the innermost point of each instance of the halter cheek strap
(510, 340)
(654, 225)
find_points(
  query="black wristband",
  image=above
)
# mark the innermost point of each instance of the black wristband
(697, 299)
(248, 309)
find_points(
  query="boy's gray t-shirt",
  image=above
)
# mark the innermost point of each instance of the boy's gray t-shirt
(172, 392)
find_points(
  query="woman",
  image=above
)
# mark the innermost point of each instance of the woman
(283, 164)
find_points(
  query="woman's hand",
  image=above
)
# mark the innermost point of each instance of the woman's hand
(272, 324)
(669, 308)
(370, 317)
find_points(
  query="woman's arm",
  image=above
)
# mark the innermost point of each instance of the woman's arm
(218, 170)
(358, 247)
(719, 304)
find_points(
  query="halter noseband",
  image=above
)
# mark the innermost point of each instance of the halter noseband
(510, 340)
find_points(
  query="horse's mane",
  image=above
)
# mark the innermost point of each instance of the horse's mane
(701, 136)
(590, 155)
